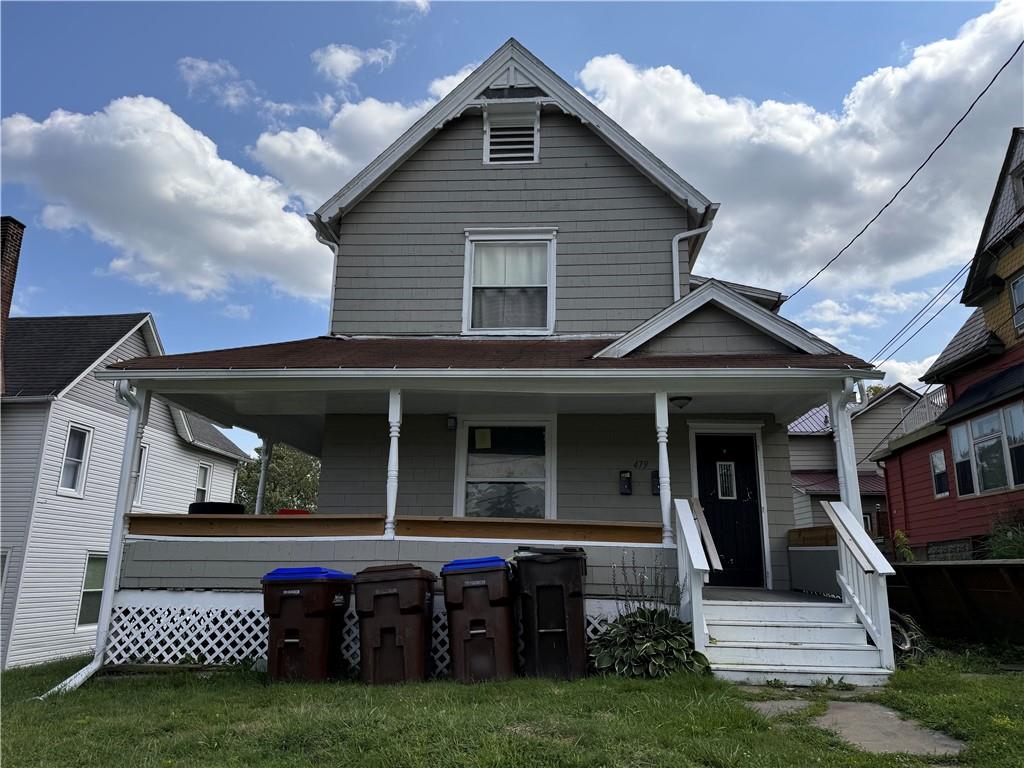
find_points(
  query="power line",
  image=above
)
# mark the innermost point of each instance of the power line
(931, 154)
(911, 336)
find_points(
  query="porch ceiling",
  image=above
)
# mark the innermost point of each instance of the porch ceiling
(297, 417)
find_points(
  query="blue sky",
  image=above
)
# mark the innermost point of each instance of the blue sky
(758, 105)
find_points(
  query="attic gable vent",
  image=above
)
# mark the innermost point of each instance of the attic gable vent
(512, 137)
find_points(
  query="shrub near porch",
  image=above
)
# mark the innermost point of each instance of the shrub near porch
(236, 719)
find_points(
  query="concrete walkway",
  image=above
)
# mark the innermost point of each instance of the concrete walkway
(878, 729)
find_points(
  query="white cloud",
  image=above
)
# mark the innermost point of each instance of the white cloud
(237, 311)
(795, 183)
(182, 218)
(314, 164)
(895, 301)
(908, 372)
(221, 82)
(420, 6)
(339, 62)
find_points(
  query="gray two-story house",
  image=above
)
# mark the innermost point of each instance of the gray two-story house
(519, 352)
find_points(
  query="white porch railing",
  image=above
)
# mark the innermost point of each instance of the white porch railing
(862, 573)
(922, 413)
(693, 537)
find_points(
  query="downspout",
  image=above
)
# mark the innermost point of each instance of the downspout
(708, 218)
(138, 414)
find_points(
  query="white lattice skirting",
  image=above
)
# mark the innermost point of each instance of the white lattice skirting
(149, 627)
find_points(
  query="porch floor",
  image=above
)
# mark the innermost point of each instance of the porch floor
(759, 595)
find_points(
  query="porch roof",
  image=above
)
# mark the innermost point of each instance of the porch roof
(393, 353)
(825, 482)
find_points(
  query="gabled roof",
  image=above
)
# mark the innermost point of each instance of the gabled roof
(1004, 220)
(769, 299)
(45, 356)
(974, 341)
(511, 64)
(716, 292)
(815, 421)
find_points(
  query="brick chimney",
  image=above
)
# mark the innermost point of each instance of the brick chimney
(11, 231)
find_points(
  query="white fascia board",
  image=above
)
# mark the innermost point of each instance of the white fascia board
(773, 325)
(464, 97)
(152, 341)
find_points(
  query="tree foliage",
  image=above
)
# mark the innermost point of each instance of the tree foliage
(293, 480)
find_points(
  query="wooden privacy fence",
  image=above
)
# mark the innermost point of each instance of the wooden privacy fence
(969, 599)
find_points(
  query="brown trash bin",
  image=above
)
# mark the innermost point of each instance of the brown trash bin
(481, 628)
(551, 603)
(306, 608)
(395, 604)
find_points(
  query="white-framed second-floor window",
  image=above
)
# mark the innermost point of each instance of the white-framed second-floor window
(940, 478)
(140, 481)
(509, 281)
(75, 464)
(988, 451)
(203, 478)
(92, 590)
(1017, 298)
(505, 467)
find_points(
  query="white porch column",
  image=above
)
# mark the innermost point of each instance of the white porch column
(394, 430)
(261, 489)
(846, 455)
(664, 481)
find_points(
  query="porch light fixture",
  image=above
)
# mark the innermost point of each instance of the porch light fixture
(681, 401)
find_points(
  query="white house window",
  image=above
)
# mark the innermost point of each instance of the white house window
(203, 482)
(988, 451)
(76, 461)
(92, 590)
(509, 282)
(940, 478)
(512, 136)
(1017, 294)
(726, 479)
(140, 467)
(506, 469)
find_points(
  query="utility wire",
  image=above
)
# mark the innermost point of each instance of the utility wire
(931, 154)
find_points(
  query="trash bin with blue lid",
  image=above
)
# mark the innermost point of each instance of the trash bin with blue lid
(481, 624)
(306, 608)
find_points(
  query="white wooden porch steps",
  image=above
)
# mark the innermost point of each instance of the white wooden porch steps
(797, 643)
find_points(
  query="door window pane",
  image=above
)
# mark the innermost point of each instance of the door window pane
(991, 464)
(726, 480)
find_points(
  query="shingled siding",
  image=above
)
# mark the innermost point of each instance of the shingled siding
(238, 565)
(402, 256)
(711, 331)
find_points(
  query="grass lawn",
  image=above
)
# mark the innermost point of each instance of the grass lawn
(237, 719)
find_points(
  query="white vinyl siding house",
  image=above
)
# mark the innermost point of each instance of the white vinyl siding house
(58, 502)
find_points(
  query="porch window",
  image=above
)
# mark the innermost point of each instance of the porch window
(203, 482)
(92, 590)
(509, 283)
(940, 479)
(76, 461)
(507, 470)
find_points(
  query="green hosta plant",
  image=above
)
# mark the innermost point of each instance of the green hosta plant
(649, 642)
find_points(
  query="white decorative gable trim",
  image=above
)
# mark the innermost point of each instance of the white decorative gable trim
(715, 292)
(153, 344)
(511, 63)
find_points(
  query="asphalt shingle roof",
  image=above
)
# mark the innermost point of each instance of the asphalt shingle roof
(206, 435)
(42, 355)
(973, 337)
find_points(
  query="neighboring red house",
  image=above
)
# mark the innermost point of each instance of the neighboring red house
(957, 466)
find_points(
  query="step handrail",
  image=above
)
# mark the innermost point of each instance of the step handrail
(692, 535)
(862, 577)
